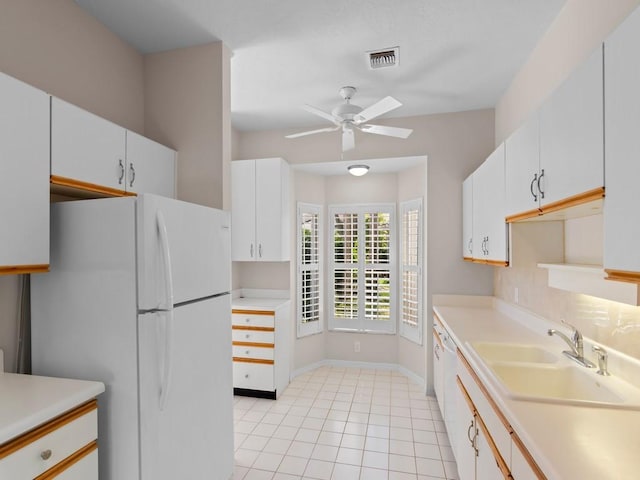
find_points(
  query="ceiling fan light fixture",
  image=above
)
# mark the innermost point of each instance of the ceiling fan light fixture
(358, 170)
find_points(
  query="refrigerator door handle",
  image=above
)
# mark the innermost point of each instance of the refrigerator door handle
(168, 339)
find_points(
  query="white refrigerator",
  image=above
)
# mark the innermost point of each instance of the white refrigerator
(138, 297)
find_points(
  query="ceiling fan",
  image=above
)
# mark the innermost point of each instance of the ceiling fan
(348, 117)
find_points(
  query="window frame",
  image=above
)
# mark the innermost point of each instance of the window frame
(304, 329)
(361, 323)
(411, 332)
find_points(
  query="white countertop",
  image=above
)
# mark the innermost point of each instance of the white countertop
(253, 303)
(27, 401)
(567, 441)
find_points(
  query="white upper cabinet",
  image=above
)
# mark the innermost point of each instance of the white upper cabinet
(24, 177)
(622, 127)
(467, 218)
(489, 227)
(260, 210)
(522, 169)
(90, 153)
(86, 149)
(572, 136)
(151, 167)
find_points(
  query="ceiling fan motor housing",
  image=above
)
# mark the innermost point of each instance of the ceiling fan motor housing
(346, 111)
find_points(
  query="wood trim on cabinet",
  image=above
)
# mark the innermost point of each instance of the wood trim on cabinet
(527, 456)
(497, 263)
(254, 344)
(467, 259)
(622, 275)
(253, 360)
(70, 185)
(254, 312)
(579, 199)
(485, 392)
(437, 319)
(502, 465)
(466, 396)
(251, 327)
(18, 269)
(523, 216)
(37, 433)
(68, 462)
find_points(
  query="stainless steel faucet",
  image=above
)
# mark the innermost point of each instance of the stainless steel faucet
(575, 342)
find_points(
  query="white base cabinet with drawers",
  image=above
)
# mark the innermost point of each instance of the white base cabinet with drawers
(261, 346)
(65, 448)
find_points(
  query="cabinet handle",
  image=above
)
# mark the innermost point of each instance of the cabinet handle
(535, 180)
(132, 172)
(539, 187)
(246, 352)
(247, 320)
(46, 454)
(251, 250)
(247, 336)
(246, 375)
(471, 440)
(470, 245)
(260, 250)
(121, 176)
(435, 352)
(487, 246)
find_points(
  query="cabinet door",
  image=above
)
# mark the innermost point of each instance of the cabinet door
(151, 167)
(467, 217)
(243, 210)
(622, 116)
(272, 210)
(489, 227)
(438, 379)
(486, 463)
(465, 437)
(86, 148)
(24, 177)
(522, 164)
(571, 134)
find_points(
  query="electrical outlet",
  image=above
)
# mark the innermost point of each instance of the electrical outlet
(516, 295)
(356, 347)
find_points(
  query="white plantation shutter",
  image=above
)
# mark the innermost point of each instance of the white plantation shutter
(308, 275)
(411, 270)
(362, 243)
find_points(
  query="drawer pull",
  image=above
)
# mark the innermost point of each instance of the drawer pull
(246, 352)
(246, 375)
(247, 336)
(46, 454)
(247, 320)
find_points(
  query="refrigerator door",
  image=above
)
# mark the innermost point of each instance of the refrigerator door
(192, 436)
(190, 242)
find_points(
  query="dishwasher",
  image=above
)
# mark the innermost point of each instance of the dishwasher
(444, 382)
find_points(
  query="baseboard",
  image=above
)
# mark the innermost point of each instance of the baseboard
(415, 378)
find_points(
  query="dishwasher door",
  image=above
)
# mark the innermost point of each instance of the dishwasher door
(449, 360)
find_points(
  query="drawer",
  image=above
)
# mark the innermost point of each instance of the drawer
(253, 336)
(253, 376)
(23, 457)
(85, 469)
(250, 319)
(245, 351)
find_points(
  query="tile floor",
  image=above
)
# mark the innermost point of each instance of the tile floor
(343, 424)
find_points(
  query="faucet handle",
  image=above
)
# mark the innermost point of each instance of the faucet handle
(576, 336)
(602, 360)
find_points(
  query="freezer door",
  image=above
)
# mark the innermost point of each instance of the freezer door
(192, 436)
(191, 242)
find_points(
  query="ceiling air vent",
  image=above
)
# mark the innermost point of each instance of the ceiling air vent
(384, 58)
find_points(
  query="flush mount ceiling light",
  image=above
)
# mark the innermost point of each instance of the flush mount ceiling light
(358, 170)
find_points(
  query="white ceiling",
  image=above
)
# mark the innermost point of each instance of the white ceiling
(455, 55)
(376, 165)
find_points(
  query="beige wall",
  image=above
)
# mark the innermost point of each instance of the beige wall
(57, 47)
(187, 107)
(578, 29)
(455, 145)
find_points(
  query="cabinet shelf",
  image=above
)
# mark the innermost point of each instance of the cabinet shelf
(590, 280)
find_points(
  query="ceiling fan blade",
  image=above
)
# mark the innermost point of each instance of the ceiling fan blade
(384, 130)
(379, 108)
(348, 140)
(320, 113)
(311, 132)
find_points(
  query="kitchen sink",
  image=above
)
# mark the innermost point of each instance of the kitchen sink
(571, 384)
(513, 352)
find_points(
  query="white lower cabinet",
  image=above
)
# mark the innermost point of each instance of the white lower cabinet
(260, 350)
(64, 448)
